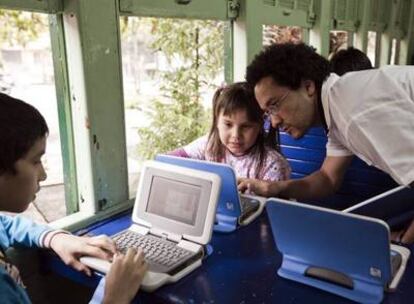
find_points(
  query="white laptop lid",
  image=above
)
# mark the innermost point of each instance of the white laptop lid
(177, 200)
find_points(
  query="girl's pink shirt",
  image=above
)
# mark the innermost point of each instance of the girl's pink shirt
(275, 168)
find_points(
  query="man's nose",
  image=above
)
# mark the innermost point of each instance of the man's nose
(276, 121)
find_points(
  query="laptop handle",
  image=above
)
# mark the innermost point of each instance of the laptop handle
(330, 276)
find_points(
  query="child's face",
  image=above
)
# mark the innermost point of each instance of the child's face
(18, 190)
(236, 132)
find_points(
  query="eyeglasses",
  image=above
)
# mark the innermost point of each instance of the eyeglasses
(274, 107)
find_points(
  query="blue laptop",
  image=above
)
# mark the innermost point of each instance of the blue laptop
(346, 254)
(234, 209)
(395, 206)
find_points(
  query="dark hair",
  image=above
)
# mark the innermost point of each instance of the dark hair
(349, 60)
(288, 64)
(20, 126)
(232, 98)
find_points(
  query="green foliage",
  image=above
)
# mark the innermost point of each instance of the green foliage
(179, 117)
(17, 27)
(170, 128)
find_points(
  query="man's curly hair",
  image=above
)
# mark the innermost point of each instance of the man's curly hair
(288, 64)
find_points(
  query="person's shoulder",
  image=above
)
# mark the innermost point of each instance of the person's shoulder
(200, 141)
(394, 71)
(272, 152)
(331, 79)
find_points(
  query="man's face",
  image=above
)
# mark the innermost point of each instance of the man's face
(293, 111)
(18, 190)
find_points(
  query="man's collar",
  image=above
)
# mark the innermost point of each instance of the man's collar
(324, 103)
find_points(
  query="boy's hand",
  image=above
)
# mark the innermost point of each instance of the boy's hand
(125, 276)
(71, 247)
(258, 187)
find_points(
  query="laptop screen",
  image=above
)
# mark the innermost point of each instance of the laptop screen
(176, 200)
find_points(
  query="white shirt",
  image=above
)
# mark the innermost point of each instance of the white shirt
(371, 114)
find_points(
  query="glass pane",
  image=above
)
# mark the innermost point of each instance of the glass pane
(281, 34)
(372, 46)
(395, 51)
(171, 68)
(338, 40)
(26, 72)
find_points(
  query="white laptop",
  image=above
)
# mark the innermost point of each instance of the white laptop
(172, 221)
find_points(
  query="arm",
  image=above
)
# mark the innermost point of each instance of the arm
(20, 231)
(180, 152)
(70, 248)
(321, 183)
(123, 279)
(195, 149)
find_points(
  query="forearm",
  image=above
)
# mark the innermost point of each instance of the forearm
(180, 152)
(21, 231)
(315, 186)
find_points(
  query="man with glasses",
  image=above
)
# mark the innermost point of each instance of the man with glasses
(368, 113)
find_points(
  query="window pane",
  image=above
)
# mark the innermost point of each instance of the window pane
(372, 46)
(395, 51)
(338, 40)
(26, 72)
(171, 68)
(281, 34)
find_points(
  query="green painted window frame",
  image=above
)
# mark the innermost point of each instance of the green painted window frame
(194, 9)
(40, 6)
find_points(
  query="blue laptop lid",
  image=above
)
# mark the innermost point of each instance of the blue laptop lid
(350, 244)
(229, 203)
(395, 206)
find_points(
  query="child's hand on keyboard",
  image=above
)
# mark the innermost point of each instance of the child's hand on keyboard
(125, 276)
(71, 247)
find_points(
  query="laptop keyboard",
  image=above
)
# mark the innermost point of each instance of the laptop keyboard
(248, 206)
(396, 260)
(161, 255)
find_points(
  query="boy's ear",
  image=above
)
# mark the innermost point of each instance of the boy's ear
(310, 87)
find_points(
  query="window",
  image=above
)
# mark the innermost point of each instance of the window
(26, 72)
(281, 34)
(372, 46)
(395, 51)
(171, 69)
(338, 40)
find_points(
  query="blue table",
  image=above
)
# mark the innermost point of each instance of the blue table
(241, 269)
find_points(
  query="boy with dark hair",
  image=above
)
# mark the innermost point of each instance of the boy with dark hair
(369, 113)
(23, 133)
(349, 60)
